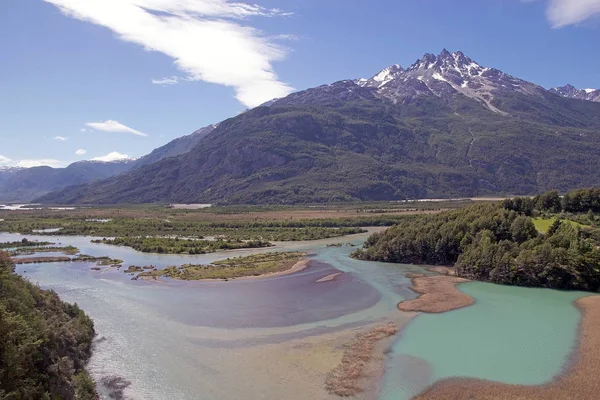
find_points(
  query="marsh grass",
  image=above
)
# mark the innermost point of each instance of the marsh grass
(253, 265)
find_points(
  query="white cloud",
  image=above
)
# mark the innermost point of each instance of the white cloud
(39, 163)
(166, 81)
(83, 130)
(4, 160)
(80, 152)
(113, 126)
(562, 13)
(61, 138)
(114, 156)
(206, 38)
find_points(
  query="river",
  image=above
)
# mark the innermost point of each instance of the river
(278, 337)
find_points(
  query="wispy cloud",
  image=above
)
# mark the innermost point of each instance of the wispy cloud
(210, 40)
(114, 126)
(61, 138)
(171, 80)
(48, 162)
(562, 13)
(114, 156)
(80, 152)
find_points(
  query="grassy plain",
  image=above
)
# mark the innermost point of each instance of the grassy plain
(269, 223)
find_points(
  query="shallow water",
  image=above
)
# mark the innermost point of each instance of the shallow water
(512, 335)
(277, 337)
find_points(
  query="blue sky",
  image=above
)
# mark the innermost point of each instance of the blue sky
(83, 79)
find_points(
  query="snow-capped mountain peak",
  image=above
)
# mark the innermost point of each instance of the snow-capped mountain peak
(383, 77)
(447, 73)
(572, 92)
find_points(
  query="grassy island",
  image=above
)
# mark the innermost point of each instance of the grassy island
(44, 342)
(182, 246)
(253, 265)
(499, 242)
(69, 250)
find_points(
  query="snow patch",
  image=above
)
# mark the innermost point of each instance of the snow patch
(589, 90)
(439, 77)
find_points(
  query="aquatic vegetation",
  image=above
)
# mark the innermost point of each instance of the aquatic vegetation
(104, 260)
(498, 243)
(253, 265)
(346, 379)
(182, 246)
(133, 269)
(23, 243)
(39, 260)
(45, 343)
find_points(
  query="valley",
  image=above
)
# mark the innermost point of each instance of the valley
(431, 231)
(347, 327)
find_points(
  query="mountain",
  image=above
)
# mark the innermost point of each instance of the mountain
(175, 147)
(572, 92)
(445, 126)
(25, 184)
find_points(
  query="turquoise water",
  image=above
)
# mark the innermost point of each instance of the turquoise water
(511, 335)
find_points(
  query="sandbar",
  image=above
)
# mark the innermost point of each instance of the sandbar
(580, 380)
(437, 294)
(328, 278)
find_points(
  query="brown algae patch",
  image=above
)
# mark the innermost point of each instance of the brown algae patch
(580, 381)
(348, 378)
(437, 294)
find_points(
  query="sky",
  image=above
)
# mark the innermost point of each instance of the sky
(107, 79)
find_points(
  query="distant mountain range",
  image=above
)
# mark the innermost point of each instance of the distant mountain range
(445, 126)
(579, 94)
(26, 184)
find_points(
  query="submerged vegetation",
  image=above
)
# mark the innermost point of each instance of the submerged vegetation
(253, 265)
(44, 342)
(500, 243)
(182, 246)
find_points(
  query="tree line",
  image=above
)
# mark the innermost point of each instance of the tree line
(499, 243)
(44, 342)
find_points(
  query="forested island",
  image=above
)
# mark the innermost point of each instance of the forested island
(44, 342)
(504, 242)
(182, 246)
